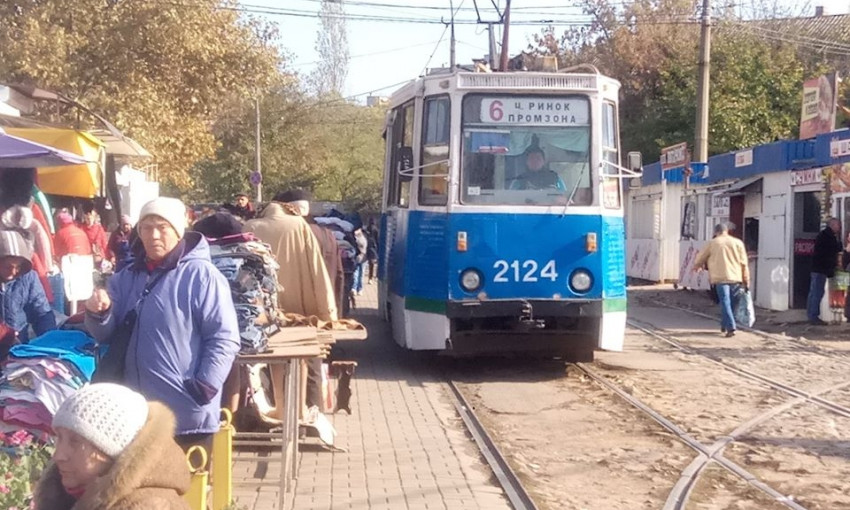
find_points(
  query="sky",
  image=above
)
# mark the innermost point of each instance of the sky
(385, 54)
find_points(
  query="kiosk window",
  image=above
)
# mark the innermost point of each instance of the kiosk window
(433, 184)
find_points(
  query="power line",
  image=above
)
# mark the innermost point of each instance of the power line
(286, 11)
(468, 9)
(832, 47)
(441, 39)
(391, 50)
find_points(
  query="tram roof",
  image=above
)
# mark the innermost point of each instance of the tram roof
(515, 81)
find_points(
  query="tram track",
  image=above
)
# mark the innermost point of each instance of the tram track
(714, 453)
(811, 397)
(679, 495)
(763, 334)
(505, 475)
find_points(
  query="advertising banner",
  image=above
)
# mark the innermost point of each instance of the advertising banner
(675, 156)
(818, 111)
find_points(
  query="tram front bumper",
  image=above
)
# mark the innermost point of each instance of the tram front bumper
(476, 309)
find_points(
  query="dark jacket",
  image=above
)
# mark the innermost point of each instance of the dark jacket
(23, 299)
(825, 256)
(333, 261)
(25, 303)
(150, 474)
(186, 337)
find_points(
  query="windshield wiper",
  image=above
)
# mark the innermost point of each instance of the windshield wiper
(573, 192)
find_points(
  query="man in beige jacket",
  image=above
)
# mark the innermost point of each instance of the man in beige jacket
(727, 271)
(306, 288)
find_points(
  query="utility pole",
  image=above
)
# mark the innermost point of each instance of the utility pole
(503, 65)
(701, 145)
(453, 42)
(492, 37)
(258, 174)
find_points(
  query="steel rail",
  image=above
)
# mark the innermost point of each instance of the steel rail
(507, 478)
(681, 492)
(747, 374)
(764, 334)
(706, 454)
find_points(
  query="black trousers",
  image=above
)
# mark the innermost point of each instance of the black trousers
(314, 384)
(187, 441)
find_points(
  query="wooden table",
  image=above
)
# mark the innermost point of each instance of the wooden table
(288, 348)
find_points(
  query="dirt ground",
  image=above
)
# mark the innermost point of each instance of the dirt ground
(578, 446)
(789, 323)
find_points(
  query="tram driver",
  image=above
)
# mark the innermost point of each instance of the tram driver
(537, 175)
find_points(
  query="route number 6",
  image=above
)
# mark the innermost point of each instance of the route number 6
(525, 271)
(496, 112)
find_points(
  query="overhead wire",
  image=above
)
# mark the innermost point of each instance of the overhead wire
(371, 54)
(833, 47)
(446, 29)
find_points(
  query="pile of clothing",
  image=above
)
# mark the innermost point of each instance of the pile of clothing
(251, 270)
(343, 231)
(39, 376)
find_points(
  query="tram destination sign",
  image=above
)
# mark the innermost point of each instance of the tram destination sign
(535, 111)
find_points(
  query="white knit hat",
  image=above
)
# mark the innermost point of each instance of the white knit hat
(172, 209)
(109, 415)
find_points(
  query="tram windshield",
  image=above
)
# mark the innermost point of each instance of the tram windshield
(526, 151)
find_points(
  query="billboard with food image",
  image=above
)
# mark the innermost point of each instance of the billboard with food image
(818, 112)
(839, 181)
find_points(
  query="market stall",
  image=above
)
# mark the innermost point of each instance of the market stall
(78, 180)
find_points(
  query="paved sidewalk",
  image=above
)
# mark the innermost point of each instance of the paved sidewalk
(406, 448)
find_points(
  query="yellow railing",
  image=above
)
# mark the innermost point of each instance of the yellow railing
(222, 462)
(222, 468)
(196, 496)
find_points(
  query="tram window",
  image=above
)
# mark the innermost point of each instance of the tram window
(401, 156)
(433, 185)
(513, 158)
(611, 154)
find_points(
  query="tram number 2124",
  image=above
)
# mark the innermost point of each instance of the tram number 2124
(524, 271)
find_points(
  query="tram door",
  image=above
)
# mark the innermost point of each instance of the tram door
(807, 220)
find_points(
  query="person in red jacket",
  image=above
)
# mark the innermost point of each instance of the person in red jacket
(95, 233)
(69, 238)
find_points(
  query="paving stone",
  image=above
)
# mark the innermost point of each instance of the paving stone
(406, 448)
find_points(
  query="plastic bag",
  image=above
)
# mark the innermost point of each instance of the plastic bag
(743, 308)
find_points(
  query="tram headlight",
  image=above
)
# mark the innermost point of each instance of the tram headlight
(581, 281)
(471, 280)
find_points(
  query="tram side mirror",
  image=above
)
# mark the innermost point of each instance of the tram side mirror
(635, 160)
(405, 160)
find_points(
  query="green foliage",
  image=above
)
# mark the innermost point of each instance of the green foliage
(330, 146)
(755, 82)
(160, 71)
(21, 463)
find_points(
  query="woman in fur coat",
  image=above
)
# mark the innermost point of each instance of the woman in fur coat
(114, 451)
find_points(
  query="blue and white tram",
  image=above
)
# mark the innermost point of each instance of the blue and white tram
(502, 225)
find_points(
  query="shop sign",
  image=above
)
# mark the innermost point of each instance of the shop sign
(811, 176)
(744, 158)
(535, 111)
(675, 156)
(804, 246)
(719, 206)
(839, 148)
